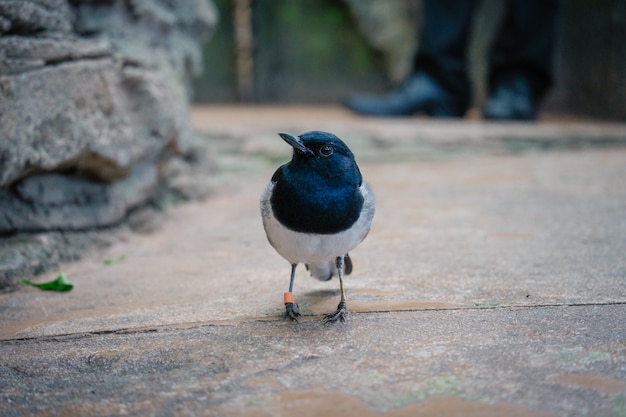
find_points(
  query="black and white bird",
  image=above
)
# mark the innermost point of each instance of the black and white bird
(315, 210)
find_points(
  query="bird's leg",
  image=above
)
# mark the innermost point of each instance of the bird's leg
(291, 308)
(340, 314)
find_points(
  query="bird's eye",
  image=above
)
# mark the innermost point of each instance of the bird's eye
(326, 150)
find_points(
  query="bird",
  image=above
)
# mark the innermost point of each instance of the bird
(315, 210)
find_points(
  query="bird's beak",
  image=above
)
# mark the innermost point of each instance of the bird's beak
(295, 142)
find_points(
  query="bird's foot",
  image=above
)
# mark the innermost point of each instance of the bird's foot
(291, 311)
(340, 314)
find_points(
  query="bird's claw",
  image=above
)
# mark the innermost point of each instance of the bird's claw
(340, 314)
(291, 311)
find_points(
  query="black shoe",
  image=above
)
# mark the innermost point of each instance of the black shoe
(511, 99)
(419, 94)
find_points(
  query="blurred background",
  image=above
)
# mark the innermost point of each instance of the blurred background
(319, 51)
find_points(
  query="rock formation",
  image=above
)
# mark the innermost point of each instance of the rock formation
(94, 119)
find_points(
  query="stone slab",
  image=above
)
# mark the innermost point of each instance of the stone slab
(548, 361)
(492, 283)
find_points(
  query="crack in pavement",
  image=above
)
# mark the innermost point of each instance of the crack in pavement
(63, 337)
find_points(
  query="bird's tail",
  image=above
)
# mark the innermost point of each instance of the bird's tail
(326, 270)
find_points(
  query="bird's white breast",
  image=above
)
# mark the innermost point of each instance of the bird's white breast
(297, 247)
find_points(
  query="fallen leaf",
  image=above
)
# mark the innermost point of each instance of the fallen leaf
(61, 284)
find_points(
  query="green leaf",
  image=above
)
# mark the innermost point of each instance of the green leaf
(114, 261)
(61, 284)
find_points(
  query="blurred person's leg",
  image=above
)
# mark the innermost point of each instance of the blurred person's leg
(520, 64)
(439, 85)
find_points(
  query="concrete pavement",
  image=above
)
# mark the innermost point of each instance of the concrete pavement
(493, 283)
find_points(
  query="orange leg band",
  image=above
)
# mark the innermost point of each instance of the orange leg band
(288, 297)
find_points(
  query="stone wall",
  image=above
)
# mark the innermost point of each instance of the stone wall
(94, 119)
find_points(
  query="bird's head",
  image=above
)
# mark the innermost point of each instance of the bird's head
(323, 153)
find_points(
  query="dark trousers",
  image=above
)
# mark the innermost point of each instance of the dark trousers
(523, 43)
